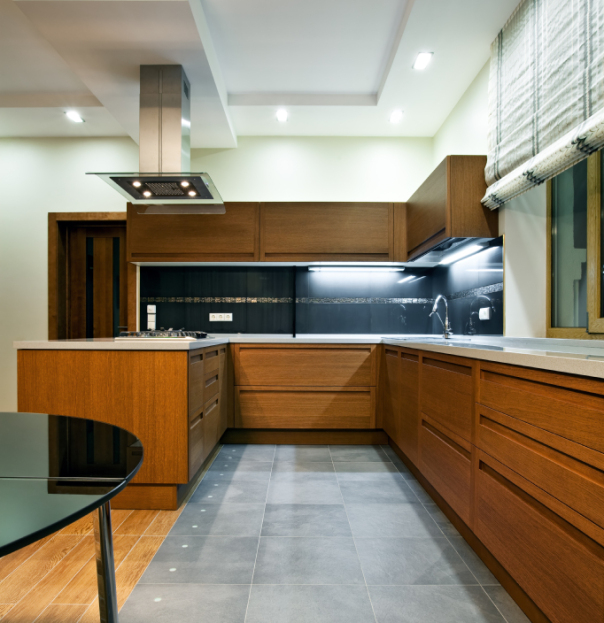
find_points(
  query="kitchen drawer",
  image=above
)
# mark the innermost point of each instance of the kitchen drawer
(408, 429)
(570, 407)
(560, 568)
(211, 384)
(447, 392)
(391, 393)
(196, 445)
(196, 382)
(308, 408)
(308, 366)
(211, 358)
(211, 426)
(447, 464)
(547, 461)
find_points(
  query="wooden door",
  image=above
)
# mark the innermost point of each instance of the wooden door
(96, 281)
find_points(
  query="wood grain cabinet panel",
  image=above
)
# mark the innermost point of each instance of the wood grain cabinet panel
(408, 430)
(196, 444)
(327, 231)
(570, 407)
(196, 383)
(391, 393)
(447, 205)
(211, 426)
(305, 408)
(447, 392)
(229, 237)
(546, 461)
(560, 568)
(448, 467)
(312, 365)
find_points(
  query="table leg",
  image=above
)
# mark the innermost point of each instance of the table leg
(105, 567)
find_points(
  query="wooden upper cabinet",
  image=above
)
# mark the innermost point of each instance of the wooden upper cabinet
(447, 205)
(229, 237)
(327, 231)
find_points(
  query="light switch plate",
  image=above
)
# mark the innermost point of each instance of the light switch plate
(150, 309)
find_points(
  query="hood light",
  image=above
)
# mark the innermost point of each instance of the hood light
(147, 193)
(192, 193)
(465, 252)
(136, 184)
(356, 269)
(185, 184)
(72, 115)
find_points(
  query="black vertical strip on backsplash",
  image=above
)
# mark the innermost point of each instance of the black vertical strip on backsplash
(294, 306)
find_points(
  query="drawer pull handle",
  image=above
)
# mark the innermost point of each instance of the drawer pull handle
(196, 359)
(211, 407)
(211, 380)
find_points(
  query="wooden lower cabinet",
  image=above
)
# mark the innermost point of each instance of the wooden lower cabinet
(305, 408)
(447, 464)
(560, 568)
(306, 386)
(408, 430)
(391, 393)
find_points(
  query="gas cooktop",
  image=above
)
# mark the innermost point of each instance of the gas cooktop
(166, 334)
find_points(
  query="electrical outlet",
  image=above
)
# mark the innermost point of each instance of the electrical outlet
(221, 317)
(484, 313)
(150, 309)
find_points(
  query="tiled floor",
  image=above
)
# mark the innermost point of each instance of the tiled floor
(315, 534)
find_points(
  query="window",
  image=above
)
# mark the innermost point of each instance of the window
(576, 251)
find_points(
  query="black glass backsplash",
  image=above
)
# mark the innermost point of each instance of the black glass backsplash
(261, 298)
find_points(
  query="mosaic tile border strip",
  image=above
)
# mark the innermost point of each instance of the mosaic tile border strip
(483, 290)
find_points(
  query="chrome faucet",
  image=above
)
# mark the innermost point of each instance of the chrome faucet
(447, 333)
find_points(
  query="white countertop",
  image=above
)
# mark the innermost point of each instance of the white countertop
(580, 357)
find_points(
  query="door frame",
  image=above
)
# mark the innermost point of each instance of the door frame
(58, 223)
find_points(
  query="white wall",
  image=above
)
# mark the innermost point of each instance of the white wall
(318, 168)
(48, 175)
(464, 131)
(522, 220)
(41, 176)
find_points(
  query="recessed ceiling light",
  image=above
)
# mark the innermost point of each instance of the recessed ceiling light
(396, 116)
(74, 116)
(282, 115)
(405, 279)
(422, 60)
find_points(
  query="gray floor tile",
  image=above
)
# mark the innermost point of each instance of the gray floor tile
(412, 561)
(303, 453)
(420, 492)
(375, 492)
(219, 520)
(356, 470)
(358, 454)
(185, 603)
(299, 488)
(240, 470)
(391, 520)
(506, 605)
(203, 560)
(302, 466)
(305, 520)
(309, 604)
(470, 557)
(247, 452)
(285, 560)
(238, 491)
(441, 519)
(432, 604)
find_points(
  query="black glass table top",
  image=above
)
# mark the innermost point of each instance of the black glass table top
(56, 469)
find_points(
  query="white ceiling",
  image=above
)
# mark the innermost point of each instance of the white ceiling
(340, 66)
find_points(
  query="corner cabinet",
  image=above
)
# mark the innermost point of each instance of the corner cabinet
(310, 386)
(447, 205)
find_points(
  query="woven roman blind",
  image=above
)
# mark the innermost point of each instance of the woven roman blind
(546, 94)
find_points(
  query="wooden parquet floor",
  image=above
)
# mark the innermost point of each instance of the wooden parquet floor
(54, 579)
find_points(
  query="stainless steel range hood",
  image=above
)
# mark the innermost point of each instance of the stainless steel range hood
(164, 184)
